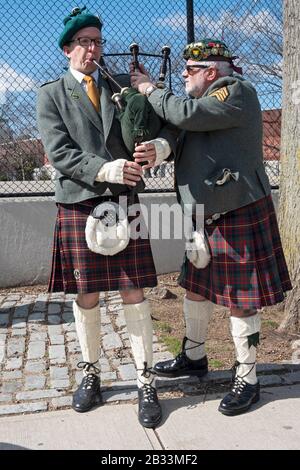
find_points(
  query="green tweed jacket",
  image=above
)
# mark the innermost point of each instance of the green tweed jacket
(218, 154)
(77, 139)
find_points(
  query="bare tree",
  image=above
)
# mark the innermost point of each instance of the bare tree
(255, 36)
(289, 215)
(19, 158)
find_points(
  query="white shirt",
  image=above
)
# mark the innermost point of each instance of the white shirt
(79, 77)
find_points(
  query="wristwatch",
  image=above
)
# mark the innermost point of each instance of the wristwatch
(149, 90)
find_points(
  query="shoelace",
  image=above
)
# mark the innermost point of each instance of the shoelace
(184, 348)
(87, 366)
(235, 366)
(185, 339)
(238, 385)
(179, 356)
(88, 381)
(149, 393)
(147, 372)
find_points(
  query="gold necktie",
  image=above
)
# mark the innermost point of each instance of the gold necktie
(92, 91)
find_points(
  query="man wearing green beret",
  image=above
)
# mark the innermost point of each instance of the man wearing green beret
(235, 258)
(81, 132)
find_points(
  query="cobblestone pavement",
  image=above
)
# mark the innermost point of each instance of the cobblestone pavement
(39, 352)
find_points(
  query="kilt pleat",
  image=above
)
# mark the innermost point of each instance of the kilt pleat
(76, 269)
(248, 268)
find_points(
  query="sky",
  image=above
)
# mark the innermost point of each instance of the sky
(29, 29)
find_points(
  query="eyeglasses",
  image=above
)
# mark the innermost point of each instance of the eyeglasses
(86, 42)
(191, 68)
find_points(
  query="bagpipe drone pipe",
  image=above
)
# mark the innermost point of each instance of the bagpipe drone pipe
(138, 120)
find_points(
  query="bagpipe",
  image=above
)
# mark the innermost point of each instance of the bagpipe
(107, 229)
(139, 122)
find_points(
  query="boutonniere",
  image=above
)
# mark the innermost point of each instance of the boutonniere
(75, 96)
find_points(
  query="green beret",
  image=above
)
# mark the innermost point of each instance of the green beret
(76, 21)
(208, 49)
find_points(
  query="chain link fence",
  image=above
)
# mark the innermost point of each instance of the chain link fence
(30, 56)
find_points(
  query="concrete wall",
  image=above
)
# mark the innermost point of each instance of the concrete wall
(27, 231)
(25, 241)
(26, 235)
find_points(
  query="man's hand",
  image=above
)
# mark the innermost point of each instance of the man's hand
(140, 79)
(120, 171)
(132, 173)
(145, 153)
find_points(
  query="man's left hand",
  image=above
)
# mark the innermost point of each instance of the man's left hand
(140, 79)
(145, 153)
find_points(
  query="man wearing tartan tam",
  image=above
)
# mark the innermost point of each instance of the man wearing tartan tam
(210, 50)
(78, 19)
(234, 256)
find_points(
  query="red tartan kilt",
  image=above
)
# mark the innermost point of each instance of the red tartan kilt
(248, 268)
(76, 269)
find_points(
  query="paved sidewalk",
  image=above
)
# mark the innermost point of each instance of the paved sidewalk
(38, 356)
(189, 424)
(39, 352)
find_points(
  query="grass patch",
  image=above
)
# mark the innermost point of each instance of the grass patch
(271, 323)
(161, 327)
(218, 347)
(215, 363)
(173, 344)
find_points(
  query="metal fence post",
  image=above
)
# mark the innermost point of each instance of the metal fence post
(23, 166)
(190, 21)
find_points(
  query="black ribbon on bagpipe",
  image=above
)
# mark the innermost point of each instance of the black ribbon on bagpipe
(138, 120)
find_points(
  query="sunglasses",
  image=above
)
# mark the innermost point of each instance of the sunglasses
(192, 69)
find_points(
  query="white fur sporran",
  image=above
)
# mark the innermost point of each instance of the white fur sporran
(197, 250)
(107, 230)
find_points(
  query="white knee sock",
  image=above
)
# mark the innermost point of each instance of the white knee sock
(197, 316)
(140, 331)
(87, 323)
(241, 329)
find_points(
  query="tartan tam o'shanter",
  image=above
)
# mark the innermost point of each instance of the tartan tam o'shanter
(210, 50)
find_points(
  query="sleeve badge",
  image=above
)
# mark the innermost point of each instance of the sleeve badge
(221, 94)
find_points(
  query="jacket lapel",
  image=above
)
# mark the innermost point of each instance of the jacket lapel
(107, 106)
(77, 94)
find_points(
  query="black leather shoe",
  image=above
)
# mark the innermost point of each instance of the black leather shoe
(149, 408)
(88, 394)
(240, 398)
(182, 365)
